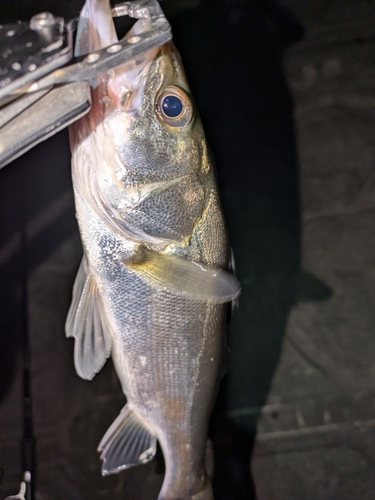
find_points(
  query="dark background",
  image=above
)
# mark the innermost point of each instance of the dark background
(265, 78)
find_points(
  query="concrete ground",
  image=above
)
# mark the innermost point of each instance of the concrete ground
(316, 434)
(316, 431)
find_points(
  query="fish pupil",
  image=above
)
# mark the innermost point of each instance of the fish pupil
(172, 106)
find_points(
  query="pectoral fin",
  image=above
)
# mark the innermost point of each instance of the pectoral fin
(184, 277)
(126, 443)
(86, 323)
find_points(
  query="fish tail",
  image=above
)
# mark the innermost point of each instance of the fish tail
(185, 481)
(205, 494)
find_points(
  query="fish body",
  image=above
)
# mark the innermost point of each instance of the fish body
(152, 286)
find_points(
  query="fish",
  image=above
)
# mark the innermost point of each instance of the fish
(153, 287)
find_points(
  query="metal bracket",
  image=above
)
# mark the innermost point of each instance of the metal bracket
(28, 51)
(32, 64)
(110, 57)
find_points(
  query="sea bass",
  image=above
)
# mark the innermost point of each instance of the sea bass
(153, 284)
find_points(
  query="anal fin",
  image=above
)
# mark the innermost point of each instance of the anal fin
(87, 324)
(126, 443)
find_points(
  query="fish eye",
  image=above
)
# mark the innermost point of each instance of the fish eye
(174, 107)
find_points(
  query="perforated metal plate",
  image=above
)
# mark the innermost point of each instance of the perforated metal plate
(28, 51)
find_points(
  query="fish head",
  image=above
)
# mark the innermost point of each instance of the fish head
(152, 122)
(140, 156)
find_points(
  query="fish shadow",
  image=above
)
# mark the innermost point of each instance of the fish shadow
(233, 56)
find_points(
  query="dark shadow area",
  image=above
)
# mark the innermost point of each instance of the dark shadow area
(311, 288)
(12, 11)
(37, 215)
(232, 54)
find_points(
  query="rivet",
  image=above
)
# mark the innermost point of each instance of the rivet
(134, 39)
(114, 48)
(91, 58)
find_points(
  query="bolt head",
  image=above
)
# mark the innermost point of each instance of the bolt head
(42, 20)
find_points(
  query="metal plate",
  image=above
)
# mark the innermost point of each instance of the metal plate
(60, 107)
(28, 51)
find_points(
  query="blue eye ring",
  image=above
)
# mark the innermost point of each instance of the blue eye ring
(174, 107)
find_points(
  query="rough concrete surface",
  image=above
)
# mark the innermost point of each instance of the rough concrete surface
(316, 435)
